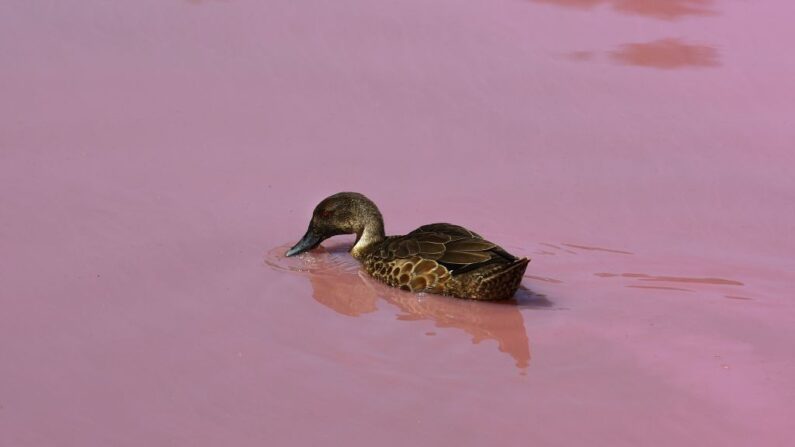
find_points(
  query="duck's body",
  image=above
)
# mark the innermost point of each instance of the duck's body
(446, 259)
(439, 258)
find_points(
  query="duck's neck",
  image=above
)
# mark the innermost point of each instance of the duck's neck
(371, 234)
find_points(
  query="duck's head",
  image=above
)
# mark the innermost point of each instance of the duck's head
(342, 213)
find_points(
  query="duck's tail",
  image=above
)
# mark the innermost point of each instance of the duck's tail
(502, 284)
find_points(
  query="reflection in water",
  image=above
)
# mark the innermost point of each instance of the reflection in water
(608, 250)
(741, 298)
(544, 279)
(660, 288)
(551, 245)
(666, 54)
(556, 247)
(339, 285)
(683, 279)
(580, 55)
(660, 9)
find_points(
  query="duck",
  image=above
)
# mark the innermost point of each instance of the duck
(438, 258)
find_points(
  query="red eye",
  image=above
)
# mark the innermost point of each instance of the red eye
(326, 213)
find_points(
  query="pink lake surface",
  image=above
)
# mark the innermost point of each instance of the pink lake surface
(157, 157)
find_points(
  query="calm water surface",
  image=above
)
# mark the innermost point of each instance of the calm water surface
(157, 158)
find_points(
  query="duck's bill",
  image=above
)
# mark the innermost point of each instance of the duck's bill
(308, 242)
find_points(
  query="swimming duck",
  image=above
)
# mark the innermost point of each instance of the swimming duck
(439, 258)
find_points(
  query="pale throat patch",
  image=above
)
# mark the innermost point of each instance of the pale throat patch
(368, 237)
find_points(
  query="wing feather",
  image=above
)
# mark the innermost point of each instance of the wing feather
(464, 257)
(454, 247)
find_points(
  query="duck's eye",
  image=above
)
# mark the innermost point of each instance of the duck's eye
(325, 214)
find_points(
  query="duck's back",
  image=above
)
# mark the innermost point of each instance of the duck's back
(446, 259)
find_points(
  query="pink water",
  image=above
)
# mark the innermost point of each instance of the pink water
(157, 157)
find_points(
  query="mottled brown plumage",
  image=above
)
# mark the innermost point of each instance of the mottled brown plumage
(438, 258)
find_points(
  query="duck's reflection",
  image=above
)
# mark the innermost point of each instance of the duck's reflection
(352, 293)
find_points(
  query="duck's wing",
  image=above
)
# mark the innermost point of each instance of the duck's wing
(452, 246)
(448, 229)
